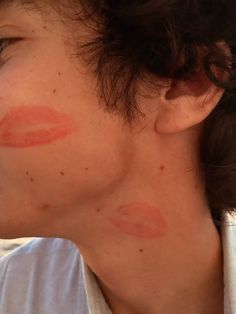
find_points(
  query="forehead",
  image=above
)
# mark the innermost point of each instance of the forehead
(13, 10)
(63, 13)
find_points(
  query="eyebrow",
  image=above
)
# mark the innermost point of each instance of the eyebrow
(37, 6)
(25, 5)
(6, 3)
(20, 3)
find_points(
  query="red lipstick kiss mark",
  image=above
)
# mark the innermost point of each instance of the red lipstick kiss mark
(12, 126)
(140, 220)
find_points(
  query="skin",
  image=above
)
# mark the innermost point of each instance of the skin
(11, 136)
(139, 220)
(133, 200)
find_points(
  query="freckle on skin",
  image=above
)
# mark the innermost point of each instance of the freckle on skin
(54, 91)
(162, 167)
(141, 250)
(86, 169)
(32, 179)
(62, 173)
(27, 173)
(45, 206)
(59, 73)
(98, 210)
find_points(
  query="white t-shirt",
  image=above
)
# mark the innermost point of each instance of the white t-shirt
(49, 276)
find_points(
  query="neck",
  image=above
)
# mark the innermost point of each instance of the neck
(178, 271)
(165, 260)
(181, 276)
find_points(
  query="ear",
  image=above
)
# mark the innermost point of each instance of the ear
(185, 104)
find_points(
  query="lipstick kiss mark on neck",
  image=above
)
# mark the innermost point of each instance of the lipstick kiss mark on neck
(140, 220)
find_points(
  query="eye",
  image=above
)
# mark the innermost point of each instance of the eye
(5, 42)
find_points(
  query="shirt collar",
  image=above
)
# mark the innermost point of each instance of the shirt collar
(95, 298)
(228, 232)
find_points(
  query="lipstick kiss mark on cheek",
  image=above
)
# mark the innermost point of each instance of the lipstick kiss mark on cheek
(139, 220)
(27, 126)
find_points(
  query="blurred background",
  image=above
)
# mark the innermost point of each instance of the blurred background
(7, 246)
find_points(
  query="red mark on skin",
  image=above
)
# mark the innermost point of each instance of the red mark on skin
(140, 220)
(12, 126)
(45, 207)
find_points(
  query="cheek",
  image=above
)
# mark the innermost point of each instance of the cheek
(33, 140)
(27, 126)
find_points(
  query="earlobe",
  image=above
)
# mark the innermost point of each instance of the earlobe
(186, 104)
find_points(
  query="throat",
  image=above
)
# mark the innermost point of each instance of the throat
(185, 280)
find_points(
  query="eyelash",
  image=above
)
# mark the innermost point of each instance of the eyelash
(8, 41)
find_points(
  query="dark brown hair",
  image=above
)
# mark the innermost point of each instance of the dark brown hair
(142, 40)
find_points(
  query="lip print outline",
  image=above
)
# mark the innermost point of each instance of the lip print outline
(60, 125)
(140, 220)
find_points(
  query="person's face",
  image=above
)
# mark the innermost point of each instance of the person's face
(58, 147)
